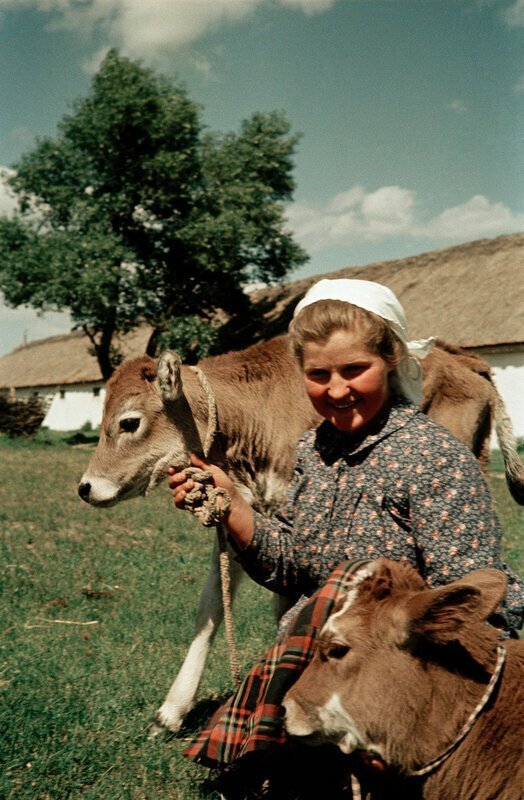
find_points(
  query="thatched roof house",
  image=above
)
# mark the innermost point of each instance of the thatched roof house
(63, 371)
(63, 360)
(471, 295)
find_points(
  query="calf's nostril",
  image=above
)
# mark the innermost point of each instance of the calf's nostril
(84, 490)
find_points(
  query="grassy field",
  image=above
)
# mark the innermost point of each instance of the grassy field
(97, 612)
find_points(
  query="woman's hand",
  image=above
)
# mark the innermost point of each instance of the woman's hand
(180, 484)
(239, 520)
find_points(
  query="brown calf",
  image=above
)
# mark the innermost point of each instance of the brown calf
(401, 671)
(157, 413)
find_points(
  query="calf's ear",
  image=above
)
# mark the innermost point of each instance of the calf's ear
(440, 614)
(169, 378)
(492, 585)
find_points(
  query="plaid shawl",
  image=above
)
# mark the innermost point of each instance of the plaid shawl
(251, 719)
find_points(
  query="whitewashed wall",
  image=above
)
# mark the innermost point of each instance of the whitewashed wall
(508, 375)
(77, 406)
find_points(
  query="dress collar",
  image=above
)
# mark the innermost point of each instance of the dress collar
(332, 443)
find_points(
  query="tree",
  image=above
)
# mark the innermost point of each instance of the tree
(134, 213)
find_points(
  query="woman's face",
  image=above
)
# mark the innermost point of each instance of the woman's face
(347, 384)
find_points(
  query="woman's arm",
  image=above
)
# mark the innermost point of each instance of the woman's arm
(264, 545)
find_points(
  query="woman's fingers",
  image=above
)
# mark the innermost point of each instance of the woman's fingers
(176, 477)
(180, 491)
(180, 485)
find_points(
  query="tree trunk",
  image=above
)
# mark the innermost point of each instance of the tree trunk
(152, 343)
(102, 346)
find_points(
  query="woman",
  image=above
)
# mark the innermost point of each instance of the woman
(376, 478)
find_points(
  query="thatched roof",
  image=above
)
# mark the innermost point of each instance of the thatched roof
(61, 360)
(471, 295)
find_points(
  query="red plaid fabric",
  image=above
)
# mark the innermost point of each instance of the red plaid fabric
(251, 719)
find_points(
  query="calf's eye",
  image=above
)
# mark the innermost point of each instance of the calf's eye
(337, 650)
(129, 424)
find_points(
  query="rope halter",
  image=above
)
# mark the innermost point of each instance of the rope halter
(436, 762)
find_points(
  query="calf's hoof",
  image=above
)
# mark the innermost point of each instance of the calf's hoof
(155, 730)
(166, 721)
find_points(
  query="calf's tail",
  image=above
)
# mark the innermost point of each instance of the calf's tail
(513, 466)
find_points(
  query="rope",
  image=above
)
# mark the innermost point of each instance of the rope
(210, 505)
(225, 579)
(436, 762)
(356, 793)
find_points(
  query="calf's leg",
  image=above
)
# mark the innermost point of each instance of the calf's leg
(181, 695)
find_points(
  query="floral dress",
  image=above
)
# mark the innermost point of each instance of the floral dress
(409, 490)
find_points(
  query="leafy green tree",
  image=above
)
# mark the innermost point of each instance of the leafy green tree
(134, 213)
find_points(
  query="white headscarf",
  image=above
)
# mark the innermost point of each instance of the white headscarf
(407, 377)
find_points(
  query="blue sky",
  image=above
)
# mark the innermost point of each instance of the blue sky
(410, 110)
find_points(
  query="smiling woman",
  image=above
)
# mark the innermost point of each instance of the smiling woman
(347, 383)
(375, 478)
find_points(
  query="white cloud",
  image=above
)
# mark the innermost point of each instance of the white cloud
(514, 15)
(458, 106)
(356, 216)
(519, 86)
(7, 198)
(202, 65)
(309, 7)
(388, 210)
(147, 27)
(474, 219)
(91, 65)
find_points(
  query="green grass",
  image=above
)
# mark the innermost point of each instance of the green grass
(511, 514)
(76, 699)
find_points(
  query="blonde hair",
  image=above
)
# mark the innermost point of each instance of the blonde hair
(318, 321)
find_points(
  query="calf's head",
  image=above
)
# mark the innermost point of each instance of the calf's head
(147, 425)
(396, 662)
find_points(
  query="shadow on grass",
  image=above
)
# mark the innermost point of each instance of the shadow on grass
(197, 718)
(200, 715)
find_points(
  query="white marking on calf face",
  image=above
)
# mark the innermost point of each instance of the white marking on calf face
(360, 576)
(320, 724)
(338, 726)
